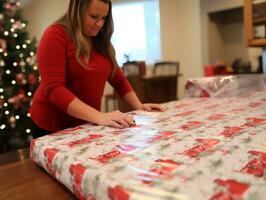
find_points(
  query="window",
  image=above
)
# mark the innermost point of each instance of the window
(137, 30)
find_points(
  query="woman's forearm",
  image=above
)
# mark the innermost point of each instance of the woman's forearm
(80, 110)
(132, 100)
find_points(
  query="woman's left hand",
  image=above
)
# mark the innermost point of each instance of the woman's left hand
(152, 107)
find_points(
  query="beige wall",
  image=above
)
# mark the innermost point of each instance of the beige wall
(227, 41)
(41, 13)
(181, 36)
(208, 6)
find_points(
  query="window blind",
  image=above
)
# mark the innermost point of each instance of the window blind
(137, 30)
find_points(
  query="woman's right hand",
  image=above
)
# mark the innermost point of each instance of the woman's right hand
(116, 119)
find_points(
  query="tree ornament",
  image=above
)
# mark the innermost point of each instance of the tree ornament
(11, 6)
(17, 25)
(3, 44)
(12, 122)
(32, 79)
(19, 78)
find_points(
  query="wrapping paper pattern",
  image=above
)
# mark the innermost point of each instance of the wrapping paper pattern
(200, 148)
(224, 86)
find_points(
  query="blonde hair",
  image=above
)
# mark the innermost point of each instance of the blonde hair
(72, 20)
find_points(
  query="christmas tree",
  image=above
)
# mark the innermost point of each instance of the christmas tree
(18, 77)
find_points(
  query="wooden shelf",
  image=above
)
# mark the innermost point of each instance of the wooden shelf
(259, 13)
(259, 21)
(257, 42)
(254, 15)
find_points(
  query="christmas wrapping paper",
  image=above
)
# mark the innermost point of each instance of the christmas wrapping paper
(200, 148)
(224, 86)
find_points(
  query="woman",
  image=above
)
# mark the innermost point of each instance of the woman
(76, 58)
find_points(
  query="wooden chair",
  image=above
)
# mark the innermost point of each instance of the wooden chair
(111, 97)
(166, 91)
(137, 68)
(133, 70)
(166, 68)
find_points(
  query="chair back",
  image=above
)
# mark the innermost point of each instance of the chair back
(134, 68)
(133, 71)
(166, 68)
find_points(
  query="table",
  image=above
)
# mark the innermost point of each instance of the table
(200, 148)
(21, 178)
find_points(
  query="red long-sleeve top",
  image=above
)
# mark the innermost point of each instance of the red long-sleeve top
(63, 78)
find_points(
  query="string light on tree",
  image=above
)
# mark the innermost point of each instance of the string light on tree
(2, 63)
(3, 126)
(18, 72)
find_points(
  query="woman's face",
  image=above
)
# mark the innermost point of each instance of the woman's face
(94, 17)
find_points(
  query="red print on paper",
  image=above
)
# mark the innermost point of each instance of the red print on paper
(124, 148)
(118, 193)
(161, 169)
(86, 140)
(253, 122)
(77, 171)
(230, 190)
(32, 147)
(192, 125)
(121, 150)
(107, 156)
(231, 131)
(67, 131)
(216, 117)
(50, 154)
(257, 165)
(205, 145)
(160, 136)
(254, 104)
